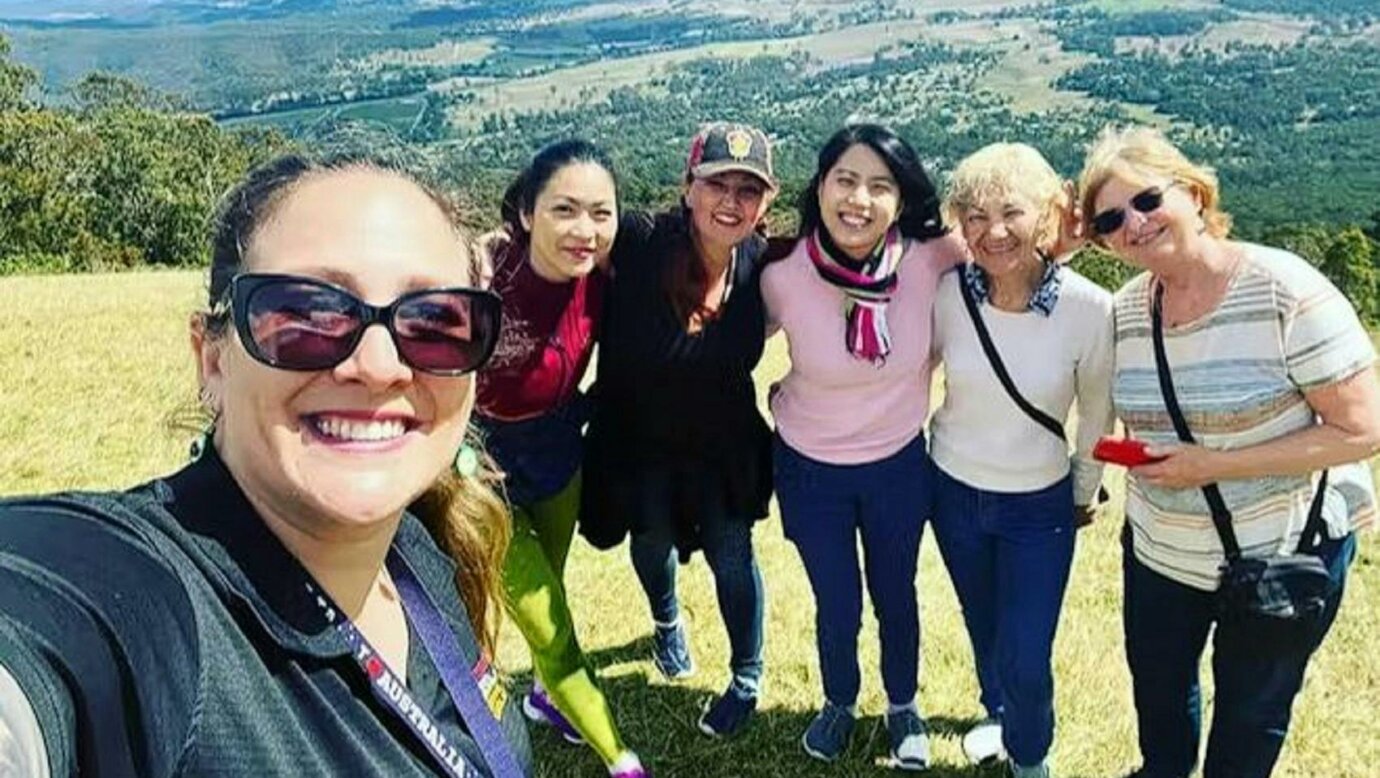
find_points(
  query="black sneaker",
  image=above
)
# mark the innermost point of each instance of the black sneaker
(827, 736)
(729, 713)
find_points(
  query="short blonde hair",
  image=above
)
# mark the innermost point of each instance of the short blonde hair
(1008, 168)
(1142, 155)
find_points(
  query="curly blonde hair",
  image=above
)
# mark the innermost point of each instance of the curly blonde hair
(1142, 155)
(1000, 169)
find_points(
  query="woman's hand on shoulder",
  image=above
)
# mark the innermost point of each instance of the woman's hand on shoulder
(1071, 236)
(486, 247)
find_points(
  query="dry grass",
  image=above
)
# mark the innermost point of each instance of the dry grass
(1032, 62)
(1261, 29)
(93, 366)
(447, 52)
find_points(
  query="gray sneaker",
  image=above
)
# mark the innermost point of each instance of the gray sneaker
(1040, 770)
(671, 651)
(827, 736)
(910, 740)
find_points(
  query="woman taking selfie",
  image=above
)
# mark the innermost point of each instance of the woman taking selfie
(274, 608)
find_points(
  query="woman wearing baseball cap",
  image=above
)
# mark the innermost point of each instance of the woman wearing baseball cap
(677, 454)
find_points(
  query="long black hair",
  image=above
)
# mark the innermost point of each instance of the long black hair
(919, 218)
(521, 195)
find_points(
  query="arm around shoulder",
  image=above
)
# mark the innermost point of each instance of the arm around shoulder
(1093, 376)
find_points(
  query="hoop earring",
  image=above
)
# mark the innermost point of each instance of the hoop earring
(466, 461)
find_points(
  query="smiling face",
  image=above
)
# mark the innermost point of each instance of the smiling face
(337, 452)
(1151, 238)
(726, 207)
(573, 221)
(1002, 230)
(859, 200)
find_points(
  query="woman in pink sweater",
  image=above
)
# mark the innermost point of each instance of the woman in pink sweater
(855, 298)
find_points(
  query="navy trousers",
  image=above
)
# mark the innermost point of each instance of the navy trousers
(1257, 669)
(1009, 554)
(825, 508)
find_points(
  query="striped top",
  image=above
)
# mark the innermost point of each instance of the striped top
(1240, 373)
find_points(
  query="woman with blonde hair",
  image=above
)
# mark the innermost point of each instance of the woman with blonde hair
(1022, 339)
(1250, 376)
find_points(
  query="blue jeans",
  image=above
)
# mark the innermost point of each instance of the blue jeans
(737, 583)
(824, 509)
(1256, 673)
(1009, 554)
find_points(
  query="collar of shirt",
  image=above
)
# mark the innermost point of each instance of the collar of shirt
(256, 572)
(1042, 300)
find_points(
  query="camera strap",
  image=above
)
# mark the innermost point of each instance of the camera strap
(1221, 515)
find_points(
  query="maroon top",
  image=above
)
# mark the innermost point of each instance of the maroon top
(547, 338)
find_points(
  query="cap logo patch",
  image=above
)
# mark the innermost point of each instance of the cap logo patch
(739, 143)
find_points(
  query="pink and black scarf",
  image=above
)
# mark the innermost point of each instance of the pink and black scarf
(868, 287)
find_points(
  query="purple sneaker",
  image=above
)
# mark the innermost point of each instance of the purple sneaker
(537, 707)
(628, 766)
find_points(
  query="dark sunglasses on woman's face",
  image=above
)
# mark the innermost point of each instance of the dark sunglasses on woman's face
(296, 323)
(1110, 220)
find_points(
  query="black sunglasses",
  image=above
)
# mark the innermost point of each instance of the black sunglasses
(1110, 220)
(296, 323)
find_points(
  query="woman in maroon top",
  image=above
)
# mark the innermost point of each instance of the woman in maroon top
(560, 218)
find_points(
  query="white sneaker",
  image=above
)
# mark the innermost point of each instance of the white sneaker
(982, 743)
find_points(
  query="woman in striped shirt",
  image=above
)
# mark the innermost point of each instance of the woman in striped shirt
(1273, 371)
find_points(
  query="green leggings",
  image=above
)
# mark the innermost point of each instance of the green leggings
(532, 576)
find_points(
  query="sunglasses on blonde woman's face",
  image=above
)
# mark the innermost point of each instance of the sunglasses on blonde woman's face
(1146, 201)
(298, 323)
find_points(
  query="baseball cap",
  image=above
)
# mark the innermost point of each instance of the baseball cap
(725, 146)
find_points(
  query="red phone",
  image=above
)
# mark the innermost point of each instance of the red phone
(1122, 451)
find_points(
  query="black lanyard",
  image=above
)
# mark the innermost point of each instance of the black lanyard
(439, 643)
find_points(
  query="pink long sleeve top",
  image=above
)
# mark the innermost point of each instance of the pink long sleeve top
(832, 406)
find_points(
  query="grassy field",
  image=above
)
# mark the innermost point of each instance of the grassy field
(95, 367)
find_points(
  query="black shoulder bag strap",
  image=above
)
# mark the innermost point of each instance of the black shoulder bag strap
(994, 359)
(1221, 515)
